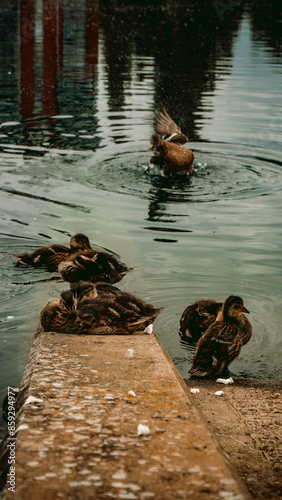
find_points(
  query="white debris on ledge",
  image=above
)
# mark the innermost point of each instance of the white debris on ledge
(32, 399)
(218, 393)
(225, 381)
(131, 393)
(149, 329)
(130, 352)
(142, 430)
(194, 390)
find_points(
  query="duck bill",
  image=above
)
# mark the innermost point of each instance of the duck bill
(245, 310)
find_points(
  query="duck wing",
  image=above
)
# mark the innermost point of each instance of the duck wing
(49, 256)
(164, 125)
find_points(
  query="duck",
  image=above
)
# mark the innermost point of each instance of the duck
(118, 313)
(197, 317)
(93, 266)
(50, 256)
(166, 143)
(223, 340)
(55, 315)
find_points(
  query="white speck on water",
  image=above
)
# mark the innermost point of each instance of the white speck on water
(194, 390)
(9, 124)
(10, 317)
(218, 393)
(142, 430)
(225, 381)
(32, 399)
(62, 116)
(131, 393)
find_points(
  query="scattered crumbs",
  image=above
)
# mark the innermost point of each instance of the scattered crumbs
(131, 393)
(225, 381)
(142, 430)
(149, 329)
(218, 393)
(130, 352)
(32, 399)
(194, 391)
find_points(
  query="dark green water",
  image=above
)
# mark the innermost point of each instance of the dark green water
(80, 85)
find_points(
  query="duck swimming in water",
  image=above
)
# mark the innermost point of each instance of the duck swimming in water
(166, 143)
(222, 342)
(91, 265)
(197, 317)
(111, 312)
(50, 256)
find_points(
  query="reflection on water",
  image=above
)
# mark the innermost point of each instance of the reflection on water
(80, 85)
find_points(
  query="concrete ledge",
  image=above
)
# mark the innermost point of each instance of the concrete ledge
(80, 441)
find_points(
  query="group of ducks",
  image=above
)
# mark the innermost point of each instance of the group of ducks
(93, 305)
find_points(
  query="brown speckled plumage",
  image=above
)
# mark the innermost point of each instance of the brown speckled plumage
(197, 317)
(91, 265)
(166, 143)
(223, 340)
(111, 312)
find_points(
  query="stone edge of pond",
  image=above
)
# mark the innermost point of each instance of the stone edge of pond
(110, 417)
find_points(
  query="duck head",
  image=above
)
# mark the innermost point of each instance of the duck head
(79, 242)
(233, 307)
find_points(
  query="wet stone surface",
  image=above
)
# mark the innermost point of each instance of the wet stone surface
(81, 436)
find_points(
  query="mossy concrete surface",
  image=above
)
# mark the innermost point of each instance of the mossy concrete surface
(78, 435)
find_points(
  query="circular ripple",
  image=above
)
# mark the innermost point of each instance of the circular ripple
(222, 172)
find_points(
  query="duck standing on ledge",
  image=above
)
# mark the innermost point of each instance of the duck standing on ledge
(111, 312)
(223, 340)
(167, 142)
(197, 317)
(50, 256)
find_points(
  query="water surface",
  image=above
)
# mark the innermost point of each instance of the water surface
(80, 86)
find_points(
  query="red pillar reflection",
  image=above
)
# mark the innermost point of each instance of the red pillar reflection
(26, 58)
(91, 34)
(50, 54)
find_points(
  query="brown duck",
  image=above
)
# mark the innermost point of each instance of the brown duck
(223, 340)
(167, 142)
(108, 314)
(50, 256)
(197, 317)
(91, 265)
